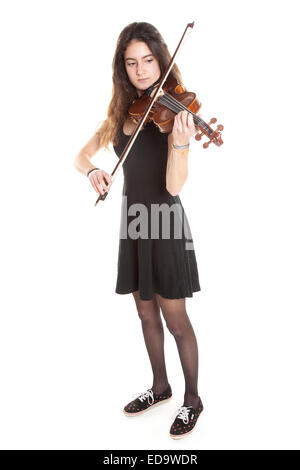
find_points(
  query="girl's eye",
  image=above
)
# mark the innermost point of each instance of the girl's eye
(132, 63)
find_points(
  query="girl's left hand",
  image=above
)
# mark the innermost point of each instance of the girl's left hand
(184, 128)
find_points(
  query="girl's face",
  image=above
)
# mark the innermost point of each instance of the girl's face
(141, 64)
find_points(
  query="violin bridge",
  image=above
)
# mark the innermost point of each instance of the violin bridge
(161, 93)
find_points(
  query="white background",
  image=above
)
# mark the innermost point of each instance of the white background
(72, 351)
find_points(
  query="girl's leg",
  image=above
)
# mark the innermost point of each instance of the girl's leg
(149, 313)
(178, 323)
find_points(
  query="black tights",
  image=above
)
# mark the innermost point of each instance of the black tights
(179, 325)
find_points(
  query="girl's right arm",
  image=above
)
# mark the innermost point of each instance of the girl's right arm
(82, 162)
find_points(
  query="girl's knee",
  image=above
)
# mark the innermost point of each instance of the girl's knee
(178, 327)
(148, 310)
(148, 313)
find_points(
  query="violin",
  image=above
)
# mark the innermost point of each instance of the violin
(172, 99)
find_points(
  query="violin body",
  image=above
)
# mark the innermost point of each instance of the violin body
(160, 114)
(172, 99)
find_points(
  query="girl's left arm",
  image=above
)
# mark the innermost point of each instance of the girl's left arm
(177, 165)
(177, 168)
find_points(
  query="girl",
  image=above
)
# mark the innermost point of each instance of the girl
(156, 265)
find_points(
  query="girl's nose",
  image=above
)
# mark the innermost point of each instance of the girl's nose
(139, 69)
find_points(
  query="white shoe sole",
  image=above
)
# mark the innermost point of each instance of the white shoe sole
(149, 408)
(180, 436)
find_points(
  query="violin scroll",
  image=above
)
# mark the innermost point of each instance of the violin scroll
(213, 135)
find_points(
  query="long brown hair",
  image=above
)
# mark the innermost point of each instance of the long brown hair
(123, 92)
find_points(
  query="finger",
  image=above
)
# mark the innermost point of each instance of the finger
(187, 119)
(183, 121)
(107, 180)
(95, 186)
(104, 184)
(99, 183)
(100, 189)
(183, 118)
(178, 123)
(190, 121)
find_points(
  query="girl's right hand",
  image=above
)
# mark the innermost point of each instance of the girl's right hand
(100, 180)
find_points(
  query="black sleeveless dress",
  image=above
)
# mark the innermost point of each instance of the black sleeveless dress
(153, 257)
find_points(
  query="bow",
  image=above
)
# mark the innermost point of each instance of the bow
(140, 124)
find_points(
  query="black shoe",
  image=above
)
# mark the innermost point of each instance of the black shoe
(147, 400)
(185, 420)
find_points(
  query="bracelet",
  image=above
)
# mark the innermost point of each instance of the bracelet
(181, 146)
(184, 151)
(91, 171)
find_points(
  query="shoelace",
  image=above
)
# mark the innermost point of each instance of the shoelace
(183, 413)
(143, 395)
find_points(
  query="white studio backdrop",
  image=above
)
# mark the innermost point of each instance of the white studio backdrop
(72, 351)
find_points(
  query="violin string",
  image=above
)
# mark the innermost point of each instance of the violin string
(176, 106)
(173, 106)
(180, 107)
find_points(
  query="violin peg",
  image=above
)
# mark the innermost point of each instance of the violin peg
(214, 136)
(212, 121)
(199, 135)
(206, 144)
